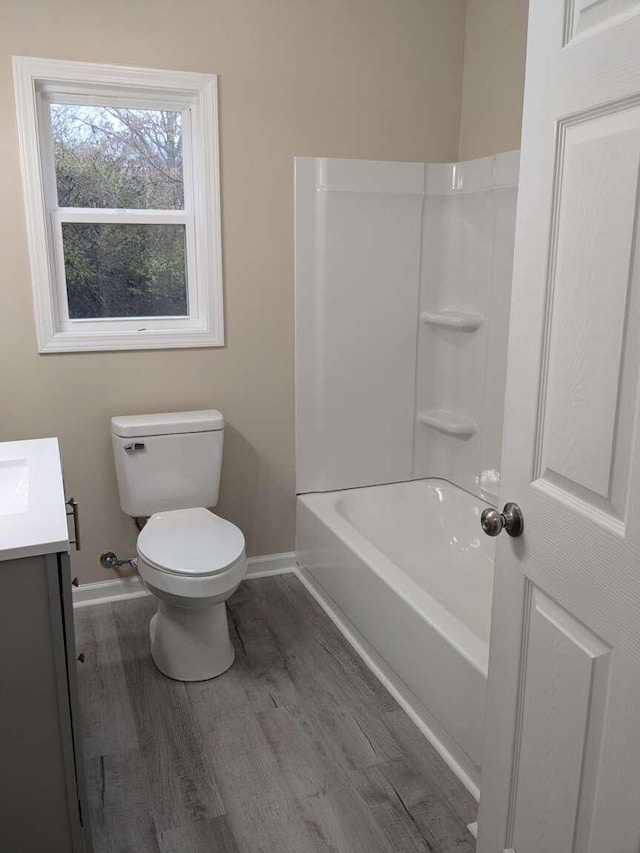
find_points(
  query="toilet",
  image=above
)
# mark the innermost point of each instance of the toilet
(168, 470)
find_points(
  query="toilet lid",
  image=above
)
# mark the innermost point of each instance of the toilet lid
(190, 541)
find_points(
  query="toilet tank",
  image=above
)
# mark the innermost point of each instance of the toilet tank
(167, 461)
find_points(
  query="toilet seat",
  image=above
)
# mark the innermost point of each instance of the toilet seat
(190, 543)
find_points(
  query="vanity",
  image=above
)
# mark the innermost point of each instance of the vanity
(42, 791)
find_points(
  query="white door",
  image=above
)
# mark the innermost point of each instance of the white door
(562, 749)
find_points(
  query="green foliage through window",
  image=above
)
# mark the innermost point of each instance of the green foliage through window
(109, 158)
(124, 270)
(117, 158)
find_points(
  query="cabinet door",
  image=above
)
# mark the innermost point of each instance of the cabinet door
(69, 697)
(38, 791)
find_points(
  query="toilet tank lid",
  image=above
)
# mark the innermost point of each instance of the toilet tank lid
(167, 423)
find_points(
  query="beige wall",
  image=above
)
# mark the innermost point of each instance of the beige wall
(494, 60)
(343, 78)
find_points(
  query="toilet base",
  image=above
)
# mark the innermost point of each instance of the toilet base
(191, 643)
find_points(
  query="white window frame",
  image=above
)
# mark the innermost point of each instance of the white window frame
(38, 82)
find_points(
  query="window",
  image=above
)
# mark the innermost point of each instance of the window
(120, 173)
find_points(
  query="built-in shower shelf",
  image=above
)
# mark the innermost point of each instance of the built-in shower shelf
(459, 321)
(448, 422)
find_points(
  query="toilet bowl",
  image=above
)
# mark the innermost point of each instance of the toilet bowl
(192, 561)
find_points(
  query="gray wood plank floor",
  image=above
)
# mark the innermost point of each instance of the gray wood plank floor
(298, 748)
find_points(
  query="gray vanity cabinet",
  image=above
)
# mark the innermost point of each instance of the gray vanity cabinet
(42, 791)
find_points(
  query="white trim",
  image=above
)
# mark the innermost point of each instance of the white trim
(120, 589)
(271, 564)
(35, 79)
(400, 692)
(104, 592)
(116, 216)
(473, 829)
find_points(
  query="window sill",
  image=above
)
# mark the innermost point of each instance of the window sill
(149, 339)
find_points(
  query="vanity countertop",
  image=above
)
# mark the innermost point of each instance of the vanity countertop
(32, 503)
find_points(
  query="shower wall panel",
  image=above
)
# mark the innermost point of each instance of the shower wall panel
(358, 227)
(465, 287)
(403, 279)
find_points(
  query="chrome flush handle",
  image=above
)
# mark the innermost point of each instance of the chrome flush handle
(510, 519)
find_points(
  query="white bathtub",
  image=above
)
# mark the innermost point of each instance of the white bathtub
(408, 567)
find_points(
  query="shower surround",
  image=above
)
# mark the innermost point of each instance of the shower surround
(403, 279)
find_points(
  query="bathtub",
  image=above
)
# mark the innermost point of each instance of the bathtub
(407, 573)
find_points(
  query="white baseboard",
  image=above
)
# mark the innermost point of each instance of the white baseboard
(400, 692)
(104, 592)
(271, 564)
(131, 586)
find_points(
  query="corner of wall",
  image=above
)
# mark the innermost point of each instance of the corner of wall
(492, 77)
(462, 79)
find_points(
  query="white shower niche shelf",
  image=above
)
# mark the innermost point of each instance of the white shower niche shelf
(448, 422)
(457, 321)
